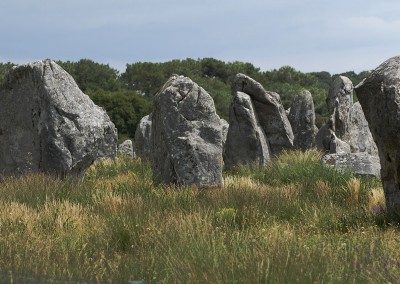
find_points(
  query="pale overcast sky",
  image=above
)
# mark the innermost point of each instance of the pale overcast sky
(310, 35)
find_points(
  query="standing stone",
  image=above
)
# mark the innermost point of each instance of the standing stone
(126, 148)
(348, 129)
(302, 120)
(186, 135)
(47, 124)
(246, 143)
(270, 112)
(340, 101)
(143, 138)
(379, 96)
(225, 128)
(360, 137)
(346, 135)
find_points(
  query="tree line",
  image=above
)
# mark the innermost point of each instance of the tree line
(127, 97)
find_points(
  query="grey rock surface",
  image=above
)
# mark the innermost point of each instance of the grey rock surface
(360, 137)
(379, 96)
(270, 112)
(340, 101)
(47, 124)
(346, 134)
(225, 128)
(338, 146)
(327, 142)
(246, 142)
(186, 135)
(143, 138)
(126, 148)
(347, 124)
(302, 120)
(361, 164)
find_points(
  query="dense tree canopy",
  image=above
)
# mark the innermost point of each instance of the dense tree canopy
(4, 67)
(127, 97)
(125, 108)
(90, 75)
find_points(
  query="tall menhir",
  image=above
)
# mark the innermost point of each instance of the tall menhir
(379, 95)
(186, 135)
(47, 124)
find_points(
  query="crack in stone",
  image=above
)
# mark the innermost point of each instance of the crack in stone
(244, 84)
(184, 95)
(72, 117)
(198, 95)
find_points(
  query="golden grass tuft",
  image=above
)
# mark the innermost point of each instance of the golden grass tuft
(322, 189)
(109, 184)
(17, 216)
(232, 181)
(376, 201)
(287, 157)
(353, 189)
(65, 215)
(290, 192)
(104, 163)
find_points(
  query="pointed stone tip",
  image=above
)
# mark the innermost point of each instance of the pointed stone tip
(36, 63)
(177, 78)
(241, 75)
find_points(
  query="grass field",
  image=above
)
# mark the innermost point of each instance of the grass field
(294, 221)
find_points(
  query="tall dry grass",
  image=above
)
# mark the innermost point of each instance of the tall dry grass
(262, 226)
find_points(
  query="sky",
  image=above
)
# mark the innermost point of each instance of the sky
(309, 35)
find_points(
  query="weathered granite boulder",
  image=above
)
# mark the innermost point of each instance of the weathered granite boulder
(302, 120)
(360, 137)
(143, 138)
(338, 146)
(353, 132)
(47, 124)
(347, 120)
(246, 143)
(347, 131)
(270, 113)
(126, 148)
(379, 96)
(327, 142)
(186, 135)
(361, 164)
(340, 101)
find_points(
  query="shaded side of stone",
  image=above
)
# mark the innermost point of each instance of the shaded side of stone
(186, 135)
(302, 120)
(379, 96)
(271, 114)
(246, 142)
